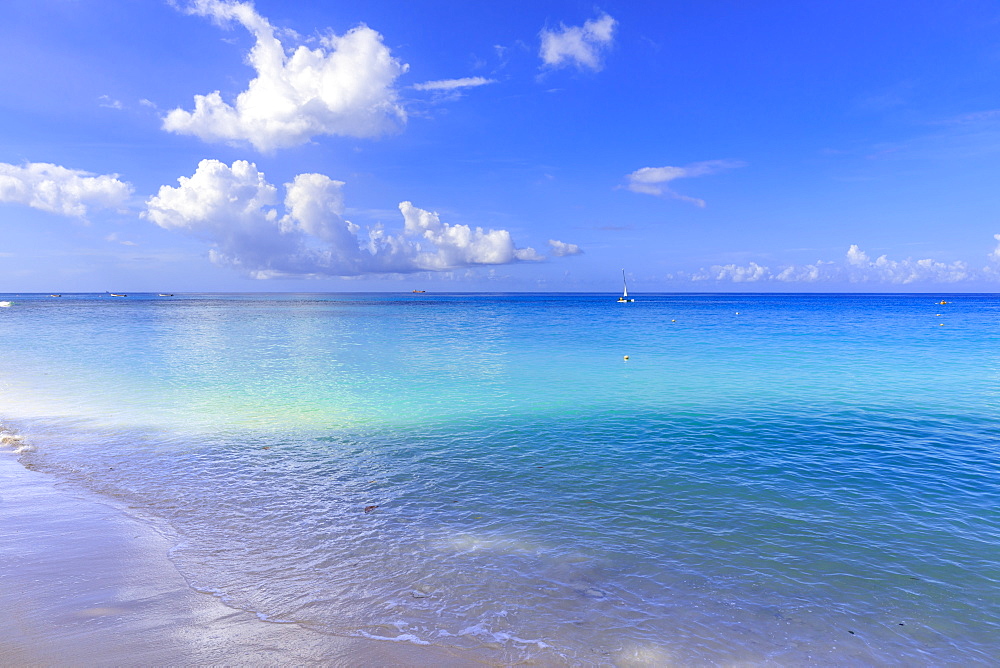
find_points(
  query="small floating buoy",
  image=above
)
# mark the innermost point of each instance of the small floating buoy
(941, 324)
(737, 313)
(673, 321)
(626, 358)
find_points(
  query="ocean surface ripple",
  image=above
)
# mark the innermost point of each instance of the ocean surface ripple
(767, 479)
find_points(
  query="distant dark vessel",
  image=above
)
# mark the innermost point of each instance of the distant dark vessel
(420, 291)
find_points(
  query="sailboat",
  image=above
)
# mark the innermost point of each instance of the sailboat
(624, 298)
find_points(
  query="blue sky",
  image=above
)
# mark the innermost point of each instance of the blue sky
(208, 145)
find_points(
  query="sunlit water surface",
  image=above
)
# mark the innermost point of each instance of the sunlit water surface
(784, 479)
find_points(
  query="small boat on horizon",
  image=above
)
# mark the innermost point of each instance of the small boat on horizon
(624, 298)
(118, 294)
(164, 294)
(420, 291)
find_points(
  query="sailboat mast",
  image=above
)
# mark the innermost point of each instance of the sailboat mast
(624, 285)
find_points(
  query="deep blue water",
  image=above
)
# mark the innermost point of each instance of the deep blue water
(768, 478)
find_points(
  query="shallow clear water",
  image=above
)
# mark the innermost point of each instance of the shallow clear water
(767, 478)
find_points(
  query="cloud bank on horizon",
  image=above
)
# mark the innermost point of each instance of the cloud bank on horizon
(856, 267)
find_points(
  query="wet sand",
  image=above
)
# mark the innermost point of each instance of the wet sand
(82, 583)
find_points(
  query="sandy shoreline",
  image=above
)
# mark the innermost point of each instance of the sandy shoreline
(82, 583)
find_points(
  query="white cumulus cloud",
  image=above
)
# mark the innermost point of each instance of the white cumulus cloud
(234, 208)
(809, 273)
(562, 249)
(237, 211)
(459, 245)
(582, 46)
(654, 180)
(856, 257)
(56, 189)
(995, 253)
(344, 87)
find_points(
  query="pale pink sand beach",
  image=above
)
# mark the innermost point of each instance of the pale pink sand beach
(82, 583)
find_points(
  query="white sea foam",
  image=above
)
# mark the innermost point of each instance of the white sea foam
(404, 635)
(482, 632)
(12, 442)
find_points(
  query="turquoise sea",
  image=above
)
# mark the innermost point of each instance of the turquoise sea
(767, 479)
